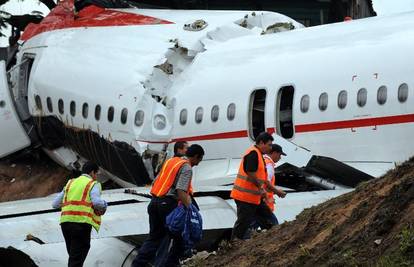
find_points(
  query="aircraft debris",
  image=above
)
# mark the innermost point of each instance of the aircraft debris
(30, 237)
(279, 27)
(197, 25)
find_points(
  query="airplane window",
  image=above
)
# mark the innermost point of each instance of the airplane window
(61, 106)
(49, 104)
(98, 112)
(304, 103)
(362, 97)
(139, 118)
(215, 113)
(111, 114)
(323, 101)
(124, 115)
(2, 104)
(403, 92)
(183, 117)
(38, 102)
(73, 108)
(199, 115)
(85, 110)
(231, 111)
(382, 95)
(160, 121)
(342, 99)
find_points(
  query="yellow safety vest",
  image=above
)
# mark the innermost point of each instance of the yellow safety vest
(77, 205)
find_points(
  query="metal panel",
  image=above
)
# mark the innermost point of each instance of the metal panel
(12, 135)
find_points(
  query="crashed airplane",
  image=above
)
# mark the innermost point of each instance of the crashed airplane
(120, 86)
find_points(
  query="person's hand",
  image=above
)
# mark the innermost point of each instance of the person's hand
(263, 193)
(281, 194)
(99, 212)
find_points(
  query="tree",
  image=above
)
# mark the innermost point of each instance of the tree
(19, 22)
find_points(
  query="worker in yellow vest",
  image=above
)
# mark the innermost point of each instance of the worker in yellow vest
(82, 207)
(248, 191)
(271, 159)
(172, 185)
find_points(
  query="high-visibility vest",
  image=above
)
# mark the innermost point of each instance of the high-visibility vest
(244, 188)
(167, 176)
(77, 205)
(270, 201)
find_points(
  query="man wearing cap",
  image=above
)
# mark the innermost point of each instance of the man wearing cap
(271, 159)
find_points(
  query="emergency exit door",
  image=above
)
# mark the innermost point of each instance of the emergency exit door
(257, 113)
(13, 137)
(284, 112)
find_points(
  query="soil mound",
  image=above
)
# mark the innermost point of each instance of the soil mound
(371, 226)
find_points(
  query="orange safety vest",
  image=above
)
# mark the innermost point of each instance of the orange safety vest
(166, 178)
(244, 188)
(270, 201)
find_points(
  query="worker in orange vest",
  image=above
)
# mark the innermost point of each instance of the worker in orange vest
(271, 159)
(172, 185)
(248, 191)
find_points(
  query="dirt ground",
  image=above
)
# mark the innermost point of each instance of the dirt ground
(30, 176)
(371, 226)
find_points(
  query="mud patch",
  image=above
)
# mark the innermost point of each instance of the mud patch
(30, 176)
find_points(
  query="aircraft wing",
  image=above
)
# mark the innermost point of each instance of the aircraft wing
(125, 224)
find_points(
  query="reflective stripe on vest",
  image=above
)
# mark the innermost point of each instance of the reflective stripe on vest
(244, 188)
(77, 205)
(270, 201)
(166, 178)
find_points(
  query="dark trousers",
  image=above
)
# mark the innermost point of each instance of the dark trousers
(160, 243)
(246, 214)
(78, 241)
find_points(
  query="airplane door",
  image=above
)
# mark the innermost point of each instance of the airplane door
(13, 137)
(284, 112)
(257, 113)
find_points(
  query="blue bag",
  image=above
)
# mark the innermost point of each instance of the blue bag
(187, 223)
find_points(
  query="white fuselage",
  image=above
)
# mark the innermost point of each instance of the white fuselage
(224, 64)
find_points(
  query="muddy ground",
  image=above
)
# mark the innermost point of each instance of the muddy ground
(29, 176)
(372, 226)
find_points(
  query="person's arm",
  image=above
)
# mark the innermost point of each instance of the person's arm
(270, 171)
(57, 201)
(183, 182)
(251, 163)
(97, 202)
(279, 192)
(184, 198)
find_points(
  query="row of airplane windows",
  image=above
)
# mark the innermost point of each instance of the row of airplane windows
(139, 115)
(361, 98)
(215, 110)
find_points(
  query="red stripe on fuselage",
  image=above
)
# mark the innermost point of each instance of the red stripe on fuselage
(336, 125)
(62, 17)
(313, 127)
(237, 134)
